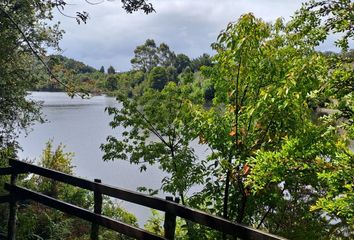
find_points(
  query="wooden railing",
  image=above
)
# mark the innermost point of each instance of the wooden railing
(172, 209)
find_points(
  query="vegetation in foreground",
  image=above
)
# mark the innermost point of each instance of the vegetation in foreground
(279, 162)
(36, 221)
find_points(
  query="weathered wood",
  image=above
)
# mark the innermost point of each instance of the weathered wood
(214, 222)
(5, 199)
(11, 227)
(82, 213)
(170, 222)
(98, 210)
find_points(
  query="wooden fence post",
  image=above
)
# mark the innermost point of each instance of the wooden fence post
(11, 228)
(98, 210)
(170, 222)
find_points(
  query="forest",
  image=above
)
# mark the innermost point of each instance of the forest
(276, 113)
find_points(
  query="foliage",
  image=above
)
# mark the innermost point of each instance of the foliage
(26, 32)
(203, 60)
(337, 94)
(17, 113)
(111, 70)
(39, 222)
(323, 17)
(158, 78)
(5, 153)
(69, 64)
(148, 56)
(145, 56)
(157, 131)
(165, 55)
(136, 5)
(266, 148)
(187, 76)
(338, 203)
(111, 83)
(182, 62)
(83, 78)
(155, 225)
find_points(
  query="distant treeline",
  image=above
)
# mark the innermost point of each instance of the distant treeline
(152, 66)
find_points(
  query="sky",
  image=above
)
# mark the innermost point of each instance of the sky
(187, 26)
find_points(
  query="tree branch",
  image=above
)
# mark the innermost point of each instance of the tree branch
(36, 54)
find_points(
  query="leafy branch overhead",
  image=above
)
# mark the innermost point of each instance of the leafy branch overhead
(26, 32)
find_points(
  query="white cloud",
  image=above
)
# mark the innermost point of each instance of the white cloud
(187, 26)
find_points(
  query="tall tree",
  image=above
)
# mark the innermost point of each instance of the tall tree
(149, 55)
(165, 55)
(102, 69)
(267, 150)
(22, 31)
(182, 61)
(318, 20)
(145, 56)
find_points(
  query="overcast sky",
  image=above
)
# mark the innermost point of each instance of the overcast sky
(187, 26)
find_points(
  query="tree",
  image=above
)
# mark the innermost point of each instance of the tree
(136, 5)
(102, 69)
(25, 34)
(22, 30)
(203, 60)
(186, 76)
(182, 62)
(209, 91)
(112, 83)
(111, 70)
(157, 131)
(69, 64)
(158, 78)
(148, 56)
(267, 152)
(171, 73)
(145, 56)
(26, 31)
(317, 20)
(165, 55)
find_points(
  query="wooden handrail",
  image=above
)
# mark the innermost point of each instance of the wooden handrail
(170, 207)
(82, 213)
(5, 199)
(6, 171)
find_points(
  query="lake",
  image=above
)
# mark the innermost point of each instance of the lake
(82, 126)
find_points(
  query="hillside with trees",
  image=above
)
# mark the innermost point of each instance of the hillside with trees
(279, 121)
(152, 67)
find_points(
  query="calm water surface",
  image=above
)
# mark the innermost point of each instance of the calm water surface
(82, 126)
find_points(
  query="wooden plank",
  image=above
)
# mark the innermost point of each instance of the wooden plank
(187, 213)
(52, 174)
(11, 228)
(170, 222)
(5, 199)
(82, 213)
(97, 196)
(6, 171)
(10, 170)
